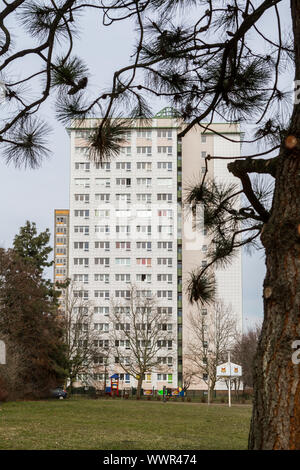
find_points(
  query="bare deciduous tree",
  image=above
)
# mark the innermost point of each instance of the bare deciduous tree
(141, 335)
(82, 342)
(243, 353)
(211, 339)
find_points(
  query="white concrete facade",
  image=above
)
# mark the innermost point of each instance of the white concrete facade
(96, 209)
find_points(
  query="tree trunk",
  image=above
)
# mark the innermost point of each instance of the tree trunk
(276, 413)
(139, 386)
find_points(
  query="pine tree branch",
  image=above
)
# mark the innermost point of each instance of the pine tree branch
(264, 166)
(240, 169)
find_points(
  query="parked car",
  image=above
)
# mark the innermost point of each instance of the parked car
(58, 393)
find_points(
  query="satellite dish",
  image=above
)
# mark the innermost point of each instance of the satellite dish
(2, 352)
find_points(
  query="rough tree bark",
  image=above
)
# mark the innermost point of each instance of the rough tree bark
(139, 386)
(276, 414)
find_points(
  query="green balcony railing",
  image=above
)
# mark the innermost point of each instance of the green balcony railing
(179, 303)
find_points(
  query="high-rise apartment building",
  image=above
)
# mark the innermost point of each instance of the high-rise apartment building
(126, 227)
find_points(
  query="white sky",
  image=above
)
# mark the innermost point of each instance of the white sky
(34, 194)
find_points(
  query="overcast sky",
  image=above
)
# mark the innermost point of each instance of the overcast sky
(34, 194)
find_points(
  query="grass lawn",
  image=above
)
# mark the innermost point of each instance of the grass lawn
(122, 424)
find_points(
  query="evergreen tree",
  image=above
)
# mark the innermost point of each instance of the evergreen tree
(34, 248)
(28, 320)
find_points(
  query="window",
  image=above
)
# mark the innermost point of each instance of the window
(164, 133)
(101, 343)
(204, 311)
(165, 229)
(164, 261)
(81, 150)
(122, 326)
(102, 229)
(143, 197)
(164, 197)
(164, 166)
(122, 277)
(143, 277)
(144, 182)
(80, 310)
(81, 261)
(123, 246)
(164, 278)
(82, 134)
(61, 240)
(203, 138)
(82, 294)
(82, 197)
(123, 197)
(123, 344)
(147, 166)
(165, 310)
(123, 166)
(123, 182)
(144, 134)
(203, 154)
(102, 166)
(123, 229)
(144, 229)
(101, 277)
(101, 327)
(103, 213)
(84, 182)
(103, 294)
(165, 294)
(104, 182)
(125, 294)
(122, 261)
(102, 197)
(144, 294)
(122, 310)
(144, 151)
(144, 261)
(61, 220)
(102, 245)
(125, 151)
(165, 245)
(82, 166)
(81, 213)
(164, 149)
(81, 229)
(144, 246)
(81, 246)
(102, 261)
(101, 310)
